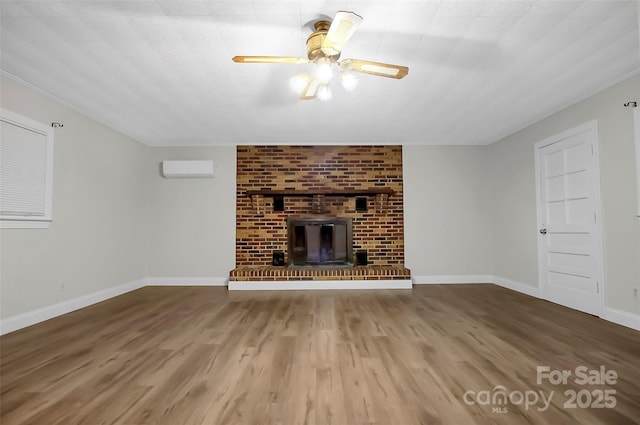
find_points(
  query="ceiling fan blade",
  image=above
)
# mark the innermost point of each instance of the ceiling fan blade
(340, 31)
(311, 91)
(269, 59)
(375, 68)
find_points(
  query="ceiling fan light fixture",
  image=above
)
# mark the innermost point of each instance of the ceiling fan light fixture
(324, 92)
(324, 71)
(300, 82)
(349, 80)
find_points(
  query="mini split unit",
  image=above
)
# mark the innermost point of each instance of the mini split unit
(188, 169)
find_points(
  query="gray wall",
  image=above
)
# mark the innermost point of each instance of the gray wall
(192, 221)
(98, 238)
(514, 198)
(447, 210)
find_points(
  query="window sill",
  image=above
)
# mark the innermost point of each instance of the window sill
(24, 224)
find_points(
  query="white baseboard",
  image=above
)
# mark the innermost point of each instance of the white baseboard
(452, 279)
(13, 323)
(291, 285)
(29, 318)
(619, 317)
(533, 291)
(187, 281)
(623, 318)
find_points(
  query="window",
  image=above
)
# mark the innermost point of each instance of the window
(26, 172)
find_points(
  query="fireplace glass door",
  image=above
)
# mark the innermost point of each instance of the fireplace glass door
(325, 241)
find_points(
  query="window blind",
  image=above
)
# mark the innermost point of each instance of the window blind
(636, 130)
(23, 165)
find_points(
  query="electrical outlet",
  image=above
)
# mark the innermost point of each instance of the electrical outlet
(635, 293)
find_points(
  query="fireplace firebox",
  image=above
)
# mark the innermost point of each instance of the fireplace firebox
(320, 241)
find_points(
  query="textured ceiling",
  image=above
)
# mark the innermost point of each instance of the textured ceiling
(161, 71)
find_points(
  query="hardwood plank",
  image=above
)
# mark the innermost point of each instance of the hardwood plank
(202, 355)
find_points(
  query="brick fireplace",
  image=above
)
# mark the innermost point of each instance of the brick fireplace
(361, 184)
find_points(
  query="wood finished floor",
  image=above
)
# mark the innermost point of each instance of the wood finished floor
(202, 355)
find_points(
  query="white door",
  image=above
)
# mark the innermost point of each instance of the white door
(569, 237)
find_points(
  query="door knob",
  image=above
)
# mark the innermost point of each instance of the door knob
(543, 231)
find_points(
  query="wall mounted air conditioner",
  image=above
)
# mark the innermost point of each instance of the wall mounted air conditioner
(182, 169)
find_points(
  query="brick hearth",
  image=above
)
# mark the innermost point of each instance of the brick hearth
(272, 273)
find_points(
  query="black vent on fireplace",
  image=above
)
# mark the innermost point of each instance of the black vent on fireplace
(278, 203)
(278, 258)
(361, 204)
(361, 258)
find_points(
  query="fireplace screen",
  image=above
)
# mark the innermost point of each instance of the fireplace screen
(320, 241)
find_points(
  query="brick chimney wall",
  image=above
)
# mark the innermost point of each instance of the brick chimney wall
(260, 230)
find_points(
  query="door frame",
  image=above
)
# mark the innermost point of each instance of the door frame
(592, 127)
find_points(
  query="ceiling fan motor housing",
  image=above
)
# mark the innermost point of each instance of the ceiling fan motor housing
(314, 42)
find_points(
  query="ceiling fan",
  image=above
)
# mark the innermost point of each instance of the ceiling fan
(324, 47)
